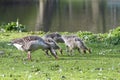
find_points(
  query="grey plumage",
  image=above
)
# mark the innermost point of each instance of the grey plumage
(74, 42)
(32, 43)
(53, 44)
(57, 38)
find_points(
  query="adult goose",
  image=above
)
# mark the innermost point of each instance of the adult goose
(74, 42)
(54, 45)
(32, 43)
(55, 36)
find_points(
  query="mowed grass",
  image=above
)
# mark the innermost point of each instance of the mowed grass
(102, 64)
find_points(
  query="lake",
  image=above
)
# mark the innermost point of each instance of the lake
(97, 16)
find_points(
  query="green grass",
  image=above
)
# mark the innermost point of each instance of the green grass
(102, 64)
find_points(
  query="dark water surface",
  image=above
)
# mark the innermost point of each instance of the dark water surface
(98, 16)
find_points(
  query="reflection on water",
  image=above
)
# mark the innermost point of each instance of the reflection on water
(25, 13)
(64, 15)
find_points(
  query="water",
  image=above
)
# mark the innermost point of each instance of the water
(97, 16)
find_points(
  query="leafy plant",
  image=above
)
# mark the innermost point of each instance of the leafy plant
(113, 37)
(13, 26)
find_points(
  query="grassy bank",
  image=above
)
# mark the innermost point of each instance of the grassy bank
(102, 64)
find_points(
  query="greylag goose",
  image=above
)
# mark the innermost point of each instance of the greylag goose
(55, 36)
(53, 44)
(32, 43)
(74, 42)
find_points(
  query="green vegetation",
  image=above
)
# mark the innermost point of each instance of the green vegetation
(13, 26)
(102, 64)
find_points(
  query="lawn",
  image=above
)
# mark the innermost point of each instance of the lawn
(102, 64)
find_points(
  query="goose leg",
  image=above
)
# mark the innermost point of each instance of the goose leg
(29, 55)
(79, 50)
(61, 51)
(46, 51)
(53, 52)
(89, 50)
